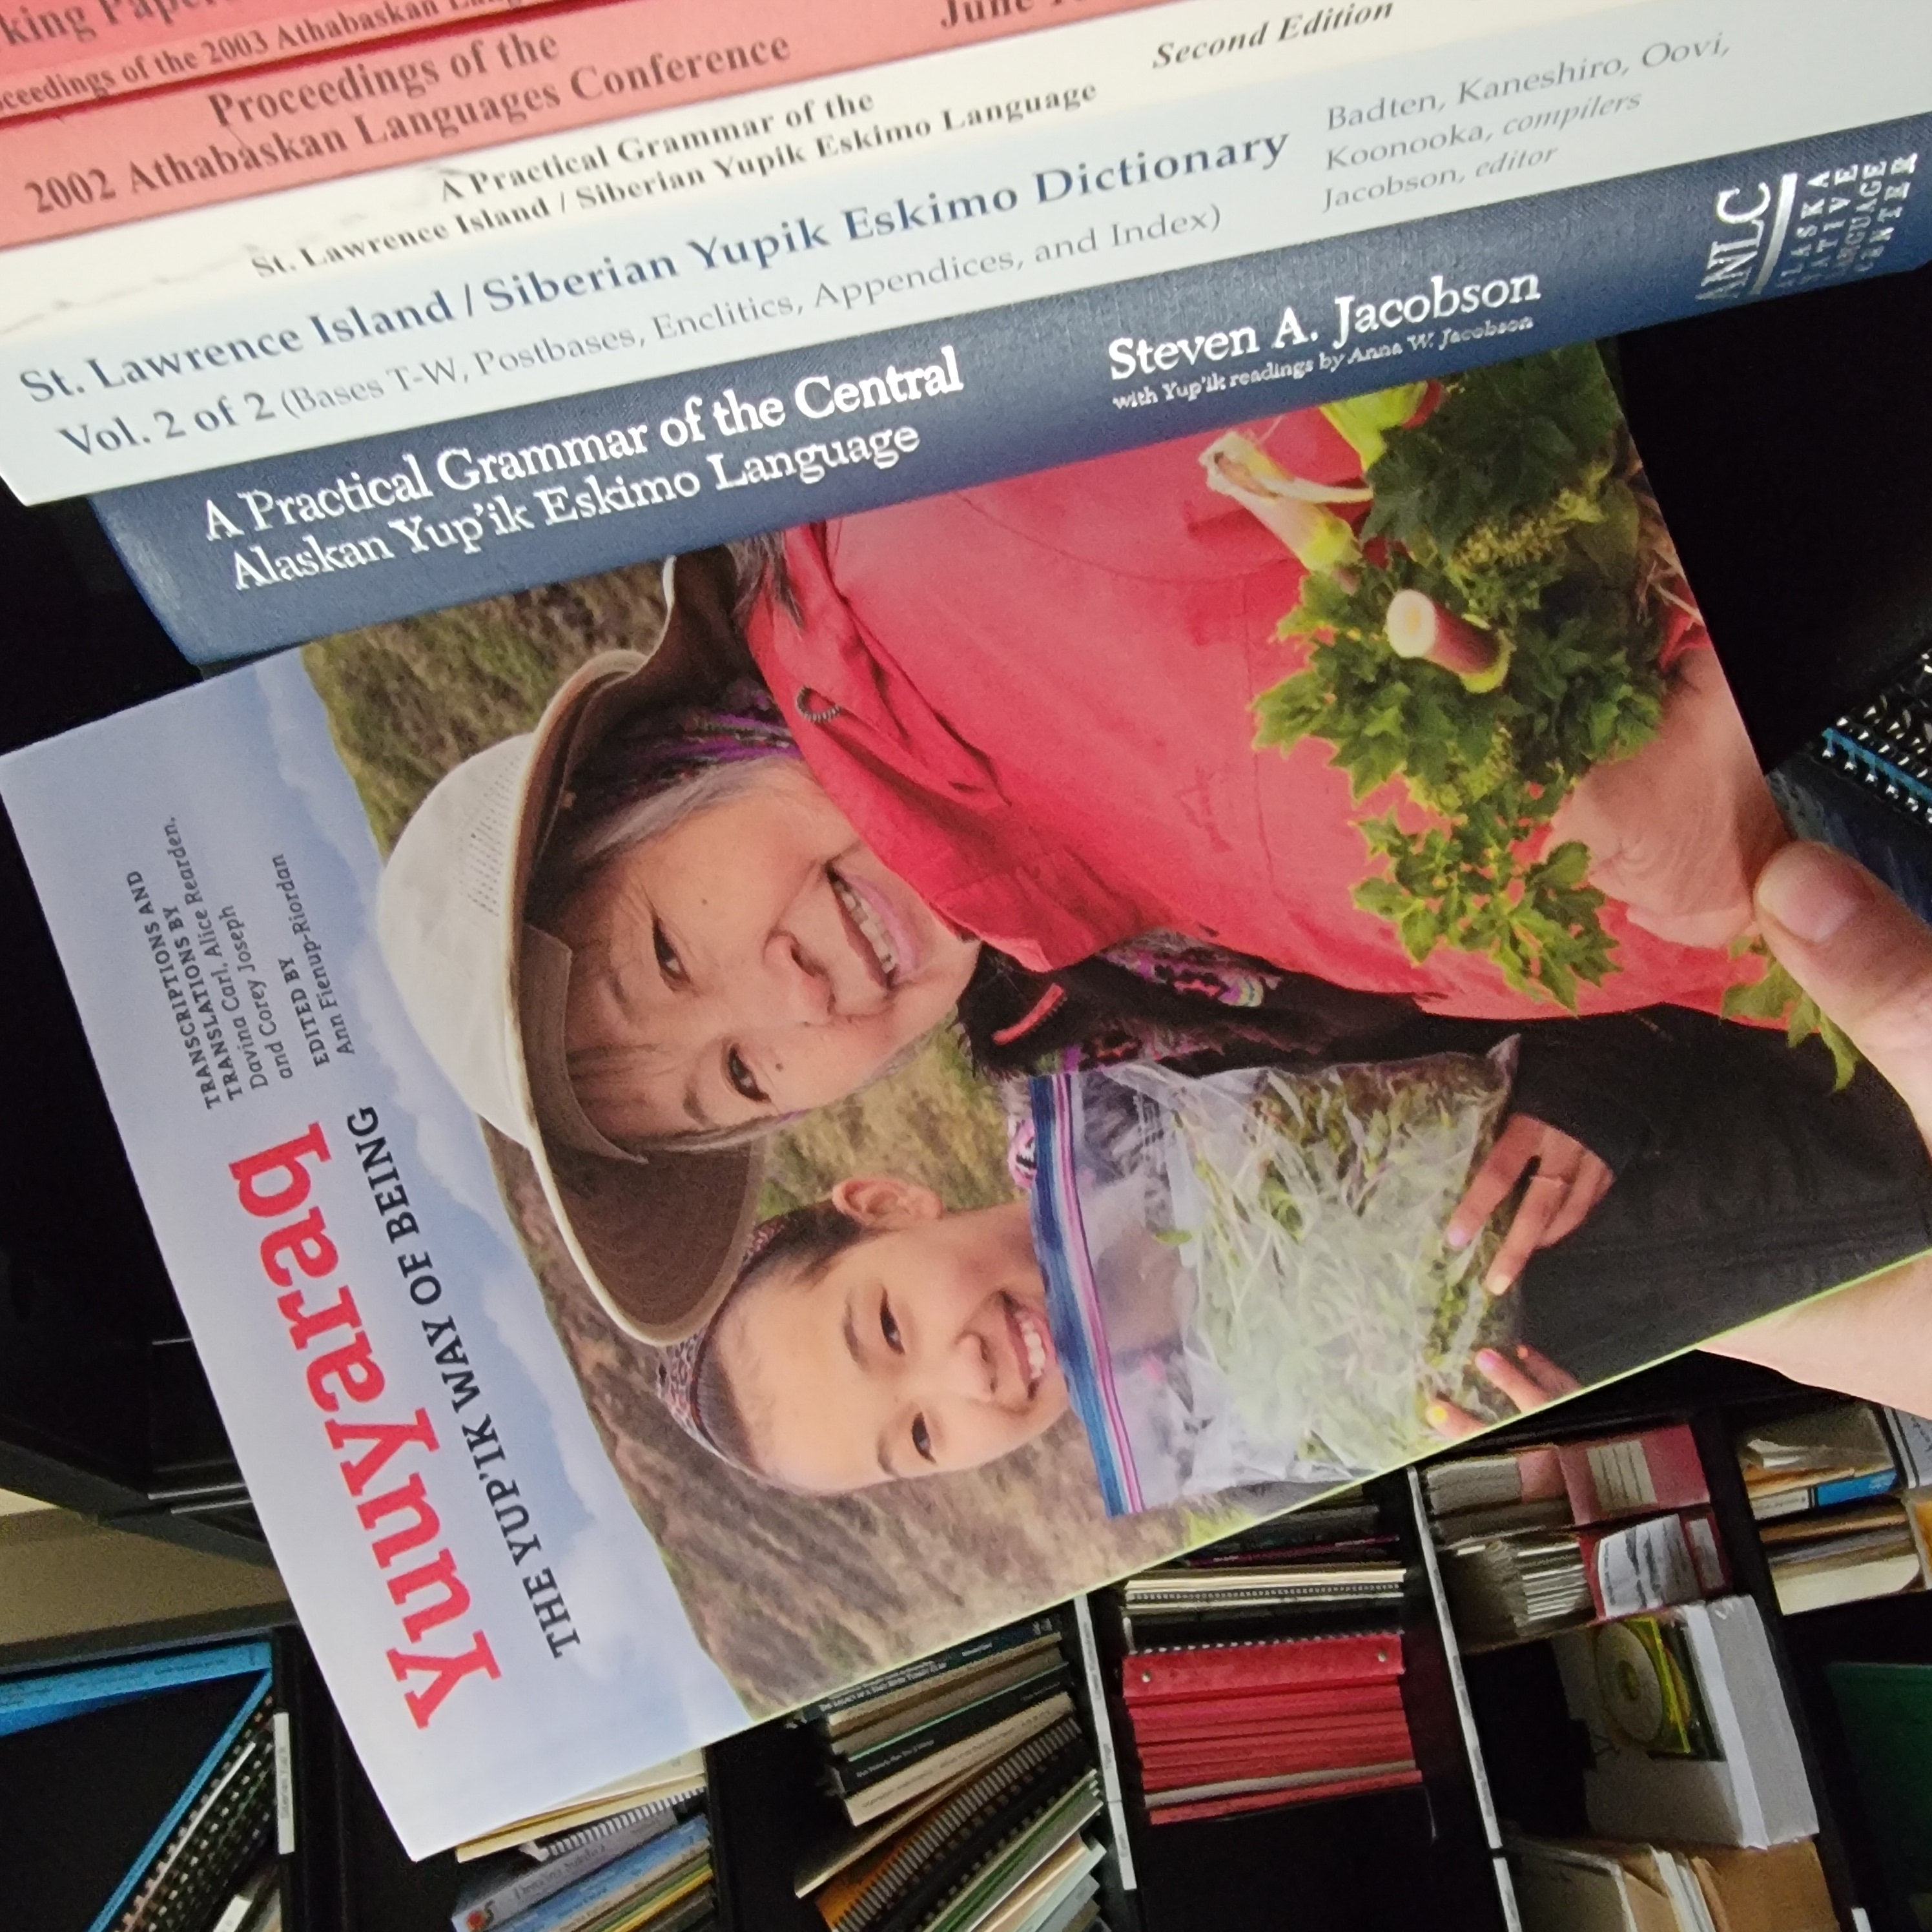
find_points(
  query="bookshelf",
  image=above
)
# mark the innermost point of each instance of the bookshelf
(1505, 1753)
(104, 1409)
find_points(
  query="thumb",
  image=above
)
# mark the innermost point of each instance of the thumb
(1858, 951)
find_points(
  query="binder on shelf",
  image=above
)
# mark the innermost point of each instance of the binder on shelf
(45, 1696)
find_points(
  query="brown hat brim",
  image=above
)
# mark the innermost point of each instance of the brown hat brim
(659, 1237)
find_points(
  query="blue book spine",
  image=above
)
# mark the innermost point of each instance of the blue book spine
(1852, 1488)
(239, 561)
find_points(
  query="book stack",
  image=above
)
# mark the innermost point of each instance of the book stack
(969, 1789)
(309, 227)
(637, 1859)
(1268, 1671)
(1560, 1535)
(1836, 1520)
(1563, 1885)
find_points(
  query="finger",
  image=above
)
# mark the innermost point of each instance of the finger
(1494, 1181)
(1547, 1376)
(1861, 954)
(1587, 1187)
(1446, 1419)
(1543, 1199)
(1513, 1380)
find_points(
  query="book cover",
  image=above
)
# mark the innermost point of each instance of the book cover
(54, 60)
(572, 1047)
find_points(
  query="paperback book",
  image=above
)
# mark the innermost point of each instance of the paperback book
(587, 1056)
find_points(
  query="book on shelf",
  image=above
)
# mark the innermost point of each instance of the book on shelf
(1824, 1485)
(1590, 1482)
(218, 1838)
(1601, 1885)
(1843, 1556)
(1687, 1721)
(493, 1893)
(1554, 1536)
(1224, 1717)
(1520, 1585)
(182, 1829)
(1047, 248)
(967, 1689)
(256, 1904)
(858, 1764)
(57, 60)
(1833, 1454)
(863, 1703)
(668, 1789)
(1007, 1844)
(479, 1222)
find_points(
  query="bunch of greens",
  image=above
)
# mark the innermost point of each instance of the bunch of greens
(1326, 1296)
(1776, 995)
(1508, 508)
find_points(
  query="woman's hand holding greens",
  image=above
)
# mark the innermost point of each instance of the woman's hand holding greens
(1568, 1181)
(1524, 1377)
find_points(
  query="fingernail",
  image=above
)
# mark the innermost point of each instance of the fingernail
(1522, 1351)
(1488, 1360)
(1457, 1238)
(1810, 891)
(1498, 1284)
(1435, 1415)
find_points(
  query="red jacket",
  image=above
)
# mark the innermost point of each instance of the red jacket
(1032, 701)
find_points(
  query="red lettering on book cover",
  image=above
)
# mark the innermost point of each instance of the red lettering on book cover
(270, 1185)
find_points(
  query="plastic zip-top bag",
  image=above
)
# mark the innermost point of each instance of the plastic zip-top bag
(1247, 1279)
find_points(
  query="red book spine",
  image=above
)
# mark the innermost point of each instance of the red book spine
(56, 58)
(1173, 1766)
(1153, 1676)
(1276, 1710)
(1633, 1475)
(456, 89)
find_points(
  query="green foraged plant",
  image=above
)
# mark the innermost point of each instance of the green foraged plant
(1510, 509)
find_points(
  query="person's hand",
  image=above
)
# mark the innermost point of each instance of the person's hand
(1568, 1182)
(1524, 1378)
(1678, 830)
(1868, 962)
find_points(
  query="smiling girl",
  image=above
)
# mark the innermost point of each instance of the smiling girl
(871, 1337)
